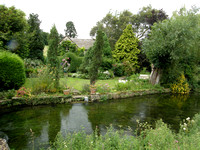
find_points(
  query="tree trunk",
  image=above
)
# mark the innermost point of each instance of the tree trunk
(155, 75)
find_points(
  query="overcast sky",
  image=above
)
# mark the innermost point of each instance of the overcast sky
(86, 13)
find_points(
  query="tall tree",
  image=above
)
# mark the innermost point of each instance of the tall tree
(52, 59)
(36, 41)
(114, 24)
(13, 28)
(126, 48)
(145, 18)
(97, 57)
(173, 47)
(70, 30)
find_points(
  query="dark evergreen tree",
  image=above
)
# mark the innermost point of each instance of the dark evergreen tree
(70, 30)
(52, 59)
(36, 42)
(97, 57)
(45, 37)
(107, 51)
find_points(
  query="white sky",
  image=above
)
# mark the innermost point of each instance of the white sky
(86, 13)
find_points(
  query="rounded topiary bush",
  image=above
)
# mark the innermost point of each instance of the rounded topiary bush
(12, 71)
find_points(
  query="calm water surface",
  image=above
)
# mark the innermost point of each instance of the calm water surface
(46, 121)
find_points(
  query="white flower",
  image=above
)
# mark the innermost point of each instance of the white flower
(185, 124)
(184, 128)
(188, 118)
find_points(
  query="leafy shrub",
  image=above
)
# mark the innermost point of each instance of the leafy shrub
(7, 94)
(123, 86)
(86, 88)
(181, 86)
(32, 67)
(106, 63)
(74, 61)
(12, 71)
(118, 69)
(44, 83)
(103, 88)
(105, 75)
(23, 92)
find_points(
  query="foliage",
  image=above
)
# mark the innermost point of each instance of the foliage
(75, 62)
(145, 18)
(66, 46)
(118, 69)
(7, 94)
(43, 83)
(23, 92)
(173, 46)
(123, 86)
(36, 41)
(181, 86)
(107, 61)
(107, 51)
(33, 67)
(45, 37)
(85, 89)
(113, 24)
(159, 138)
(12, 70)
(105, 75)
(103, 88)
(13, 27)
(70, 30)
(126, 48)
(52, 59)
(97, 57)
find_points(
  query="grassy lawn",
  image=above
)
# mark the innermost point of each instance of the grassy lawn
(110, 85)
(76, 83)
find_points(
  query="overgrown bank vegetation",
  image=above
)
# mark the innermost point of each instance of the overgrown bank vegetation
(159, 138)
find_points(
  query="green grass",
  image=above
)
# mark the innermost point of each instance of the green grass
(113, 84)
(77, 83)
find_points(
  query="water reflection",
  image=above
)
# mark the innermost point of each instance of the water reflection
(76, 120)
(47, 121)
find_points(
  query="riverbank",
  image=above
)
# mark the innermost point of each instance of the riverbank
(42, 100)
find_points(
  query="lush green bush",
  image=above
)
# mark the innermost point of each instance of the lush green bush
(33, 67)
(103, 88)
(12, 71)
(7, 94)
(106, 63)
(43, 84)
(118, 69)
(74, 61)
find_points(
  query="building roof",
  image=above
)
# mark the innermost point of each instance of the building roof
(86, 43)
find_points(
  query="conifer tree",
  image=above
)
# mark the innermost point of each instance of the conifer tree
(36, 44)
(107, 51)
(97, 57)
(126, 48)
(52, 59)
